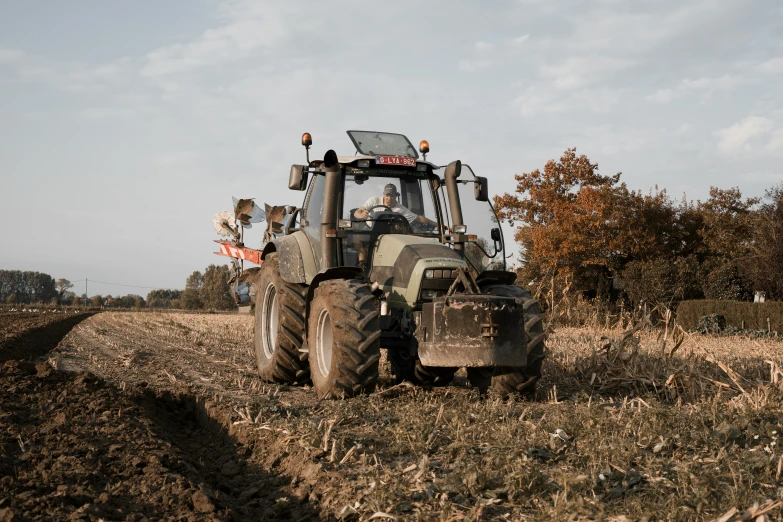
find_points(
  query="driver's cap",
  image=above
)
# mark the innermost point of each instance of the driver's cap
(390, 189)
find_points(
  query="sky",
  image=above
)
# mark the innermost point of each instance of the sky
(126, 126)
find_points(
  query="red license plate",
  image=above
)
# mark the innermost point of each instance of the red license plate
(395, 160)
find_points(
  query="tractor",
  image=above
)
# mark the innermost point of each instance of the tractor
(390, 251)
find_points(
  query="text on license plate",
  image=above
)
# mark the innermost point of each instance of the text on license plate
(395, 160)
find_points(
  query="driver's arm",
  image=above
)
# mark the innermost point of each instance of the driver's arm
(363, 211)
(424, 220)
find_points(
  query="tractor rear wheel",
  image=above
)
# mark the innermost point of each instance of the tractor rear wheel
(279, 326)
(343, 338)
(508, 381)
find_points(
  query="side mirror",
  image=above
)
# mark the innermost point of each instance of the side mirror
(297, 180)
(481, 189)
(495, 235)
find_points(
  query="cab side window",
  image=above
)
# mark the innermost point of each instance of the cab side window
(314, 210)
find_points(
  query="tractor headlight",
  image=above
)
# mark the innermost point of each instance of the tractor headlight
(429, 294)
(343, 223)
(429, 274)
(363, 164)
(459, 229)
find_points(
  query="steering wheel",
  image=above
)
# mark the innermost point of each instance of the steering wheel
(370, 210)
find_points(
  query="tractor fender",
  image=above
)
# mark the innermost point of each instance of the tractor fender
(297, 261)
(290, 254)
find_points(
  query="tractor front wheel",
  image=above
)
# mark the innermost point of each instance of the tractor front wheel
(343, 338)
(508, 381)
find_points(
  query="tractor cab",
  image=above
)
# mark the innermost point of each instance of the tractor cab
(387, 189)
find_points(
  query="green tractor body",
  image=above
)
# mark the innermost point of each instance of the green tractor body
(421, 273)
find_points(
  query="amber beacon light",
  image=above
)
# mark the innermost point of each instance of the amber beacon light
(307, 140)
(424, 148)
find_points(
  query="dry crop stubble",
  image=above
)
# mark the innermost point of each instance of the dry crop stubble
(625, 425)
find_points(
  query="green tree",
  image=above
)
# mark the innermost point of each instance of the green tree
(67, 298)
(662, 280)
(727, 233)
(764, 261)
(62, 286)
(216, 293)
(191, 297)
(96, 301)
(162, 298)
(27, 287)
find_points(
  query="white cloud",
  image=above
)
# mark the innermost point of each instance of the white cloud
(228, 43)
(685, 128)
(578, 71)
(539, 99)
(10, 56)
(739, 136)
(662, 96)
(519, 40)
(723, 83)
(707, 86)
(486, 55)
(773, 66)
(483, 46)
(70, 77)
(775, 141)
(613, 139)
(178, 158)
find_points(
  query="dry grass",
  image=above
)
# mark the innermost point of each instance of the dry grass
(635, 423)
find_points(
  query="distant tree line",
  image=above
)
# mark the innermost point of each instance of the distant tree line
(27, 287)
(208, 291)
(38, 288)
(583, 233)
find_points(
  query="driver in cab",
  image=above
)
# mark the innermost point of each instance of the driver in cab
(389, 199)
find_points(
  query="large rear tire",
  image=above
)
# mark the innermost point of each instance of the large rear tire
(523, 381)
(279, 327)
(343, 338)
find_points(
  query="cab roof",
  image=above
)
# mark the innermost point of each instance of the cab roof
(349, 160)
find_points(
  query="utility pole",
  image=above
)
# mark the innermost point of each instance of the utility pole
(85, 288)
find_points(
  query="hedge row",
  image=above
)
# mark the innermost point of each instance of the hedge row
(754, 315)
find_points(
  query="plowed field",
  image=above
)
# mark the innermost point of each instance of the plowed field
(133, 416)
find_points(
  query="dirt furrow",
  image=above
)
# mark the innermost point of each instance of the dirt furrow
(76, 445)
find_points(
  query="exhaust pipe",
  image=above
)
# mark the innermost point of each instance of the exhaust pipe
(329, 215)
(453, 170)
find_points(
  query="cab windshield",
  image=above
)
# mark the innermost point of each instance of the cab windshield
(385, 205)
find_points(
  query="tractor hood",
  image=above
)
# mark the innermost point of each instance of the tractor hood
(399, 262)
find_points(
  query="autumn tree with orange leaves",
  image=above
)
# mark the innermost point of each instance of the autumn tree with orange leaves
(587, 232)
(579, 228)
